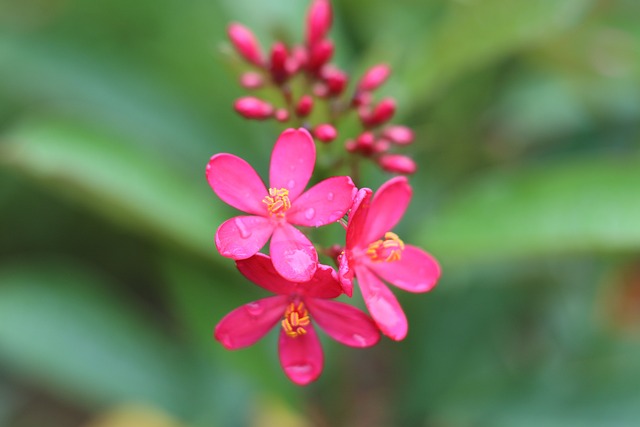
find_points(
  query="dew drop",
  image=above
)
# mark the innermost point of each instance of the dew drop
(298, 369)
(245, 233)
(310, 213)
(254, 308)
(330, 196)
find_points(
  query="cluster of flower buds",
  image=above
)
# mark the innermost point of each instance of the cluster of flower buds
(314, 93)
(370, 254)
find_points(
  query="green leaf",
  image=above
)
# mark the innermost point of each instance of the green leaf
(117, 179)
(62, 327)
(585, 205)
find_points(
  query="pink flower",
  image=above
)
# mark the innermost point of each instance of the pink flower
(273, 211)
(295, 305)
(373, 254)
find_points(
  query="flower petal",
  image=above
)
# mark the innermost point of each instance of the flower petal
(301, 357)
(416, 271)
(358, 218)
(324, 203)
(237, 183)
(259, 269)
(387, 207)
(324, 284)
(292, 254)
(345, 274)
(292, 161)
(382, 305)
(344, 323)
(242, 236)
(247, 324)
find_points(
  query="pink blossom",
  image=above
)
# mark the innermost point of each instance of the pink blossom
(274, 210)
(373, 254)
(294, 307)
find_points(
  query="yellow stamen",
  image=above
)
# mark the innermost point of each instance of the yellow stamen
(277, 201)
(387, 250)
(295, 318)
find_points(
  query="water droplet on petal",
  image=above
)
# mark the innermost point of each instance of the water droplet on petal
(310, 213)
(359, 339)
(298, 369)
(291, 184)
(254, 308)
(330, 196)
(245, 233)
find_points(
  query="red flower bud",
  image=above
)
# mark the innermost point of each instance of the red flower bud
(361, 99)
(245, 43)
(401, 135)
(351, 146)
(381, 146)
(374, 77)
(325, 132)
(251, 80)
(305, 105)
(335, 80)
(281, 115)
(319, 55)
(397, 163)
(318, 21)
(278, 65)
(380, 114)
(297, 60)
(253, 108)
(365, 143)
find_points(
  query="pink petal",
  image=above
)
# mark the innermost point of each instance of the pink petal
(387, 207)
(242, 236)
(324, 284)
(259, 269)
(301, 357)
(292, 254)
(382, 305)
(344, 323)
(416, 271)
(324, 203)
(237, 183)
(247, 324)
(345, 274)
(358, 218)
(292, 161)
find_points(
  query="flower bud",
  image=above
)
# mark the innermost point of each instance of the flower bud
(281, 115)
(400, 135)
(245, 43)
(278, 64)
(365, 143)
(305, 105)
(325, 132)
(251, 80)
(318, 21)
(380, 114)
(397, 163)
(361, 99)
(319, 55)
(253, 108)
(351, 146)
(374, 77)
(335, 79)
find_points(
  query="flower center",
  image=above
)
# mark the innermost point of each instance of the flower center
(387, 250)
(295, 318)
(277, 201)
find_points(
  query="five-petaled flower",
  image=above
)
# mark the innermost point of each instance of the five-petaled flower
(373, 253)
(294, 308)
(274, 210)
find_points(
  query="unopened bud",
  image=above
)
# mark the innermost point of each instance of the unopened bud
(381, 146)
(365, 143)
(374, 77)
(278, 64)
(361, 99)
(380, 114)
(397, 163)
(319, 55)
(336, 80)
(320, 90)
(297, 60)
(400, 135)
(325, 132)
(253, 108)
(245, 43)
(305, 105)
(351, 146)
(251, 80)
(318, 21)
(281, 115)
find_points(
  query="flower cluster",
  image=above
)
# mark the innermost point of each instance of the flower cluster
(314, 93)
(284, 213)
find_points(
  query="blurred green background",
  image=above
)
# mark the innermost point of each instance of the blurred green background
(527, 116)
